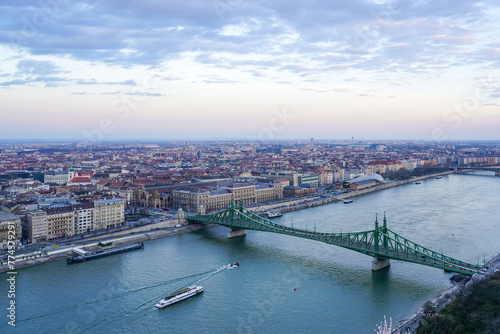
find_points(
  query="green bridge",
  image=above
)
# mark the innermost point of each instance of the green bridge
(380, 243)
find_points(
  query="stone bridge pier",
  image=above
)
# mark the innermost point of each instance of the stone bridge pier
(232, 233)
(378, 264)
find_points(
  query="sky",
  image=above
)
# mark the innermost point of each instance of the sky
(224, 69)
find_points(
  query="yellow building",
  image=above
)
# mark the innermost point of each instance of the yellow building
(10, 229)
(109, 213)
(191, 199)
(60, 222)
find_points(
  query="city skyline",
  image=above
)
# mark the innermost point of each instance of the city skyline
(235, 70)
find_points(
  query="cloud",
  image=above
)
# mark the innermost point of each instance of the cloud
(341, 90)
(15, 82)
(37, 67)
(286, 37)
(95, 82)
(146, 94)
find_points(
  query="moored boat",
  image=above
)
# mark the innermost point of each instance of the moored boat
(274, 214)
(95, 255)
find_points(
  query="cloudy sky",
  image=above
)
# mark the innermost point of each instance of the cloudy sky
(195, 69)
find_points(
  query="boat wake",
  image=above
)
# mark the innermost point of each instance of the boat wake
(144, 307)
(117, 295)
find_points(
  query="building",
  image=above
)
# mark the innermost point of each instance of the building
(308, 178)
(60, 178)
(325, 177)
(338, 175)
(191, 199)
(80, 181)
(299, 191)
(479, 161)
(60, 222)
(10, 229)
(35, 228)
(292, 177)
(84, 217)
(109, 213)
(361, 182)
(359, 185)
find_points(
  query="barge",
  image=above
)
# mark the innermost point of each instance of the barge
(95, 255)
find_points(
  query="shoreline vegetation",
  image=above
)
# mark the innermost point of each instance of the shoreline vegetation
(475, 310)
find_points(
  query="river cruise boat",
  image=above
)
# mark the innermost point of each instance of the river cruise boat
(177, 296)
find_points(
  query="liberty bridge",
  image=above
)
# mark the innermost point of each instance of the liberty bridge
(381, 243)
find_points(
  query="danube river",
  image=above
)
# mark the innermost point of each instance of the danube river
(284, 284)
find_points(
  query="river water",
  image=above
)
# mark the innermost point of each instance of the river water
(284, 284)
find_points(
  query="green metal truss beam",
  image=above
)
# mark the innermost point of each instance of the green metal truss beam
(380, 242)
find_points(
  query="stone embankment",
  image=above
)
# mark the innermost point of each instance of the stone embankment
(294, 205)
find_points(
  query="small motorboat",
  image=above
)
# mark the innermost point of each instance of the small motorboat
(234, 265)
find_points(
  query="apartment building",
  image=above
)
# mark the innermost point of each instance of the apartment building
(35, 229)
(84, 217)
(10, 229)
(109, 213)
(60, 222)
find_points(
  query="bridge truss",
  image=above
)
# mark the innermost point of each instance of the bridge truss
(380, 243)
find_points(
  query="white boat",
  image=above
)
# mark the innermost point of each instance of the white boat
(177, 296)
(274, 214)
(347, 201)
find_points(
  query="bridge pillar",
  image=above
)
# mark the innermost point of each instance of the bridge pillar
(378, 264)
(497, 172)
(236, 233)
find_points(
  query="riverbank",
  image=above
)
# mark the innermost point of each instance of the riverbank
(460, 288)
(295, 204)
(120, 240)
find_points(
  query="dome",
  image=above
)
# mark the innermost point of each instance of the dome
(372, 176)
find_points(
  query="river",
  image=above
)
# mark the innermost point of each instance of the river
(284, 284)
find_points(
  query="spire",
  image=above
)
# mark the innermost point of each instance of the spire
(376, 221)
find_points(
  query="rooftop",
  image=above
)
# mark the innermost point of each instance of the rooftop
(6, 216)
